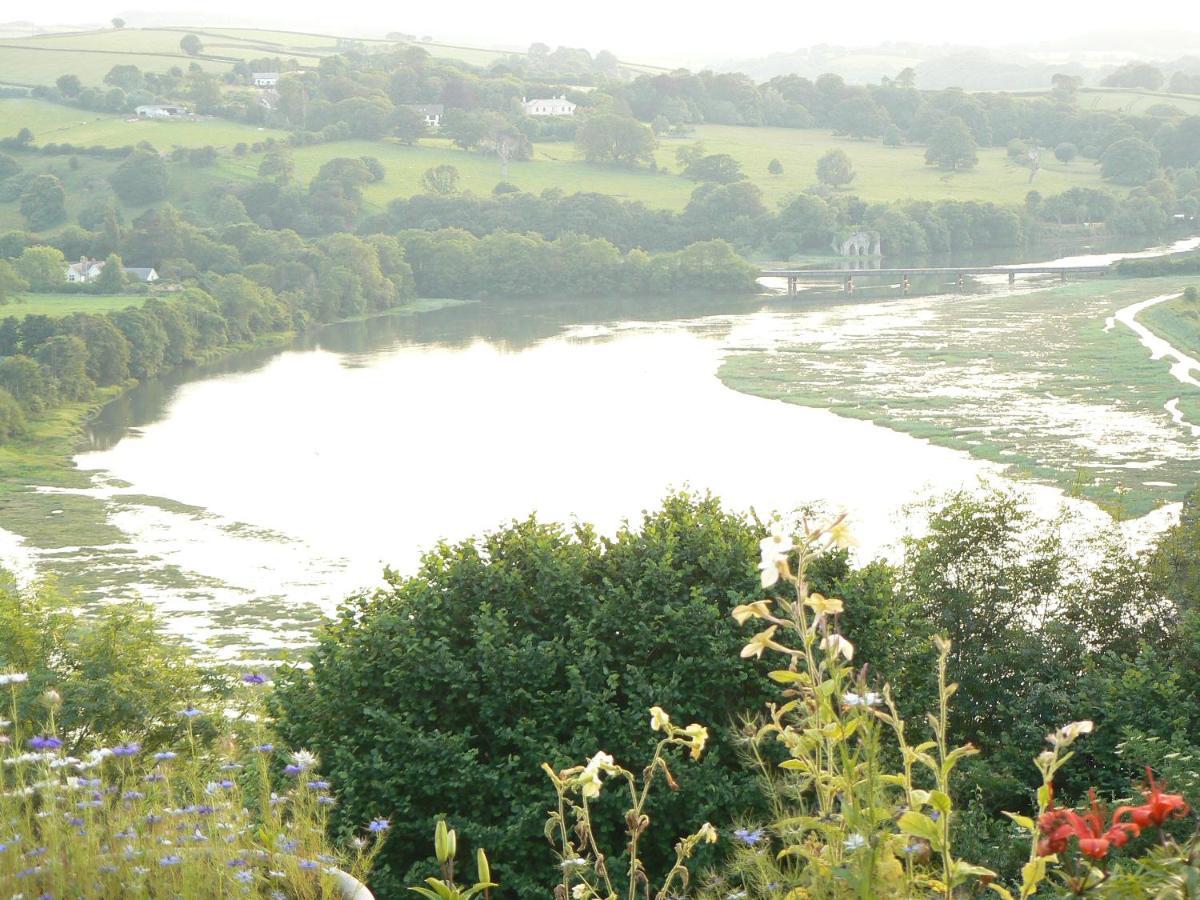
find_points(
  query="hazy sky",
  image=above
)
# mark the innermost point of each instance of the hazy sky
(671, 31)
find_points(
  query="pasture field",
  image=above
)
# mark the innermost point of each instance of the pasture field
(54, 123)
(1136, 102)
(28, 65)
(59, 305)
(1177, 322)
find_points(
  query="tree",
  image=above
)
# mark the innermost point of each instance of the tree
(533, 643)
(951, 145)
(441, 180)
(277, 166)
(775, 167)
(1065, 152)
(111, 279)
(1065, 87)
(1130, 161)
(893, 136)
(1192, 294)
(720, 168)
(69, 86)
(907, 79)
(118, 24)
(44, 268)
(610, 138)
(1136, 75)
(12, 417)
(408, 125)
(11, 282)
(835, 169)
(141, 178)
(191, 45)
(8, 166)
(43, 203)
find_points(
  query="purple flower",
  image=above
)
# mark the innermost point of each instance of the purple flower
(234, 863)
(292, 770)
(749, 837)
(379, 825)
(266, 748)
(318, 785)
(164, 755)
(130, 749)
(254, 678)
(133, 795)
(308, 864)
(75, 820)
(191, 712)
(245, 877)
(170, 860)
(45, 742)
(325, 800)
(155, 777)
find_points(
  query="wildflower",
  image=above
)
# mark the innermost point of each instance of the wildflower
(699, 738)
(164, 755)
(774, 554)
(304, 760)
(870, 698)
(749, 837)
(759, 609)
(254, 678)
(326, 800)
(171, 860)
(707, 833)
(1059, 825)
(579, 891)
(318, 785)
(577, 863)
(265, 748)
(190, 712)
(823, 606)
(659, 720)
(854, 842)
(45, 742)
(133, 795)
(1068, 733)
(51, 698)
(12, 678)
(308, 864)
(760, 642)
(835, 644)
(232, 767)
(840, 535)
(130, 749)
(1158, 808)
(378, 826)
(244, 876)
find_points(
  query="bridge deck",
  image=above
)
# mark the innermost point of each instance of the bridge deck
(943, 270)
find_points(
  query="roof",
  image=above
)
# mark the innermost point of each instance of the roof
(265, 74)
(430, 109)
(140, 273)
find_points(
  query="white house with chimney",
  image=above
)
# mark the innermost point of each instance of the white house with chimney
(89, 270)
(265, 79)
(552, 106)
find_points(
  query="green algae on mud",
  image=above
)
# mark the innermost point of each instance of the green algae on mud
(1041, 381)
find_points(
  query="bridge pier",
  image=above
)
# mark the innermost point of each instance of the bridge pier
(962, 281)
(791, 285)
(1012, 278)
(1063, 275)
(849, 285)
(906, 284)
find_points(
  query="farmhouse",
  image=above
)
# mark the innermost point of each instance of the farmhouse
(89, 270)
(554, 106)
(431, 111)
(265, 79)
(161, 111)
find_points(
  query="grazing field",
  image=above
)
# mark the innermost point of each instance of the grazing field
(30, 65)
(58, 305)
(1177, 322)
(1136, 102)
(54, 123)
(1043, 380)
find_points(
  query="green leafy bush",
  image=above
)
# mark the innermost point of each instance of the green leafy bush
(439, 695)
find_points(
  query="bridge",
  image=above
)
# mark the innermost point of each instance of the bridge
(847, 276)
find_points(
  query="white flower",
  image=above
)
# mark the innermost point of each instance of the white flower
(774, 553)
(659, 720)
(13, 678)
(759, 609)
(854, 842)
(1068, 733)
(707, 833)
(833, 644)
(870, 698)
(579, 891)
(304, 759)
(575, 863)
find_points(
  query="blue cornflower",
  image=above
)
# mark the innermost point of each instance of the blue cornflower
(45, 742)
(191, 712)
(318, 785)
(379, 825)
(749, 837)
(292, 770)
(244, 876)
(164, 755)
(234, 863)
(170, 860)
(325, 800)
(74, 820)
(934, 814)
(266, 748)
(155, 777)
(285, 844)
(254, 678)
(225, 783)
(308, 864)
(130, 749)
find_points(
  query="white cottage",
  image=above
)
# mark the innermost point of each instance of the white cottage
(553, 106)
(265, 79)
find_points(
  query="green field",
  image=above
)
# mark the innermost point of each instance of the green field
(1036, 379)
(33, 65)
(53, 123)
(1136, 102)
(57, 305)
(1176, 321)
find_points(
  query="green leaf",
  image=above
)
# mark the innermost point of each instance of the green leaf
(920, 825)
(940, 802)
(1024, 821)
(783, 676)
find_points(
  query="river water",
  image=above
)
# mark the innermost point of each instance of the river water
(256, 495)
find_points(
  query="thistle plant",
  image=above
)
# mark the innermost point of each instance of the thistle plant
(844, 825)
(569, 828)
(180, 823)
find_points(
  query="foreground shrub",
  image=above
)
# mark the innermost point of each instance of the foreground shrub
(439, 695)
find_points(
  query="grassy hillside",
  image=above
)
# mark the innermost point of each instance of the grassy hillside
(1136, 102)
(1176, 321)
(59, 124)
(58, 305)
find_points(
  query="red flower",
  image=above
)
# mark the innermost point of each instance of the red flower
(1089, 828)
(1157, 809)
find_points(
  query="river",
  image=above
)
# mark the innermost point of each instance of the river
(255, 495)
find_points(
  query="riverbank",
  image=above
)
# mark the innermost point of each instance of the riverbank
(1031, 379)
(50, 508)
